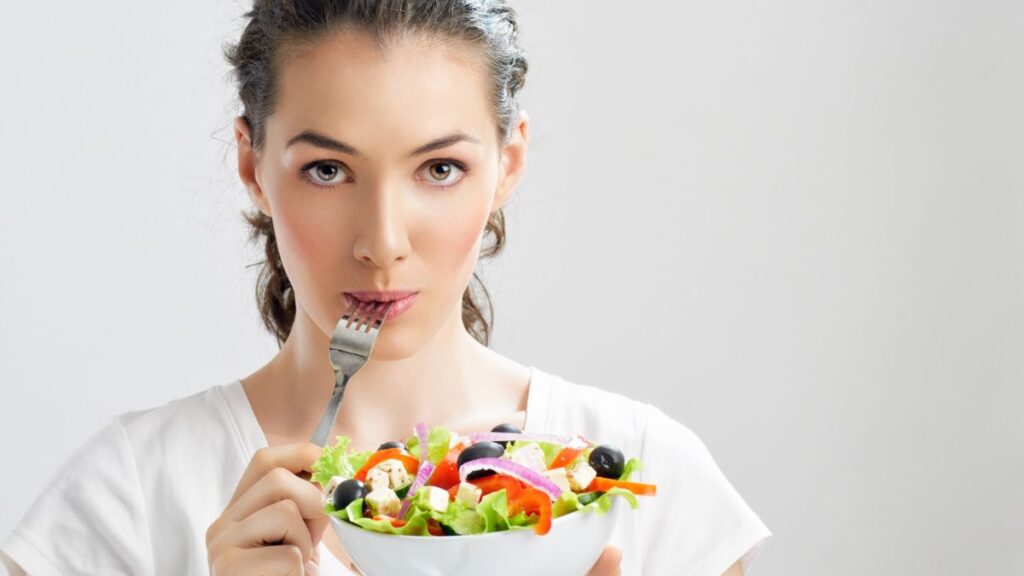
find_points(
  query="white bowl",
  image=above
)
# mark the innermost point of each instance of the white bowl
(570, 548)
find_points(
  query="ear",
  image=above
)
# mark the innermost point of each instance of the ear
(247, 165)
(513, 161)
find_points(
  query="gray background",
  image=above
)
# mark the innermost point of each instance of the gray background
(809, 213)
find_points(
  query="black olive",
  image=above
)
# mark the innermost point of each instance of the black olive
(506, 428)
(392, 444)
(477, 451)
(347, 492)
(607, 461)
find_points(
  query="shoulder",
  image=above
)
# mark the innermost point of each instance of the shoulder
(128, 437)
(196, 411)
(189, 452)
(134, 443)
(697, 506)
(109, 499)
(600, 415)
(670, 450)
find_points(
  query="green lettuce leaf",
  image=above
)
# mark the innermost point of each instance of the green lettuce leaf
(337, 461)
(461, 518)
(633, 465)
(437, 444)
(567, 502)
(604, 502)
(522, 520)
(416, 524)
(570, 502)
(467, 522)
(494, 508)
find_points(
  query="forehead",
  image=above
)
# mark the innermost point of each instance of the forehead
(385, 100)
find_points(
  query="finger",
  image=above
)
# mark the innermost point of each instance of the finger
(297, 458)
(281, 484)
(279, 523)
(609, 564)
(269, 561)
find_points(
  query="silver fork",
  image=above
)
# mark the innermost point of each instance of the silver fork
(351, 344)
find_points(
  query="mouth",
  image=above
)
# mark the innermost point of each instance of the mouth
(371, 300)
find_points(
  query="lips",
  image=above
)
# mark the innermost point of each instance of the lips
(378, 296)
(400, 300)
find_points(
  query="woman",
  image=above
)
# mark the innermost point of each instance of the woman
(378, 144)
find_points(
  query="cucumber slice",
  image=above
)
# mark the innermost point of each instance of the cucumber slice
(588, 497)
(401, 492)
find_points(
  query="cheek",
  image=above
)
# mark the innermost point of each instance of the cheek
(453, 242)
(304, 240)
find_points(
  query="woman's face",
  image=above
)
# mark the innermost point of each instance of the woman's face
(357, 203)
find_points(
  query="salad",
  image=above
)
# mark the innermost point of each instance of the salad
(439, 483)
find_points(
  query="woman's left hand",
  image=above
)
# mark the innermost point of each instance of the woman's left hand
(609, 564)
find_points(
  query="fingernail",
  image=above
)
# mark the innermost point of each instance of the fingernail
(312, 569)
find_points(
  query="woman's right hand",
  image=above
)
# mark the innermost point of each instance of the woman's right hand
(275, 519)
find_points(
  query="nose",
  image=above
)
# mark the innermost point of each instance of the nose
(381, 233)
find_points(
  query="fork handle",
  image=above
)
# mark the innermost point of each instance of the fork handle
(331, 413)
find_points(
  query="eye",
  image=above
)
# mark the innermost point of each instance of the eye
(442, 172)
(322, 173)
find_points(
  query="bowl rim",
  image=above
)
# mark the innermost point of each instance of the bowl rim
(560, 520)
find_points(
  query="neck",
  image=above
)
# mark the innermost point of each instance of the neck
(431, 385)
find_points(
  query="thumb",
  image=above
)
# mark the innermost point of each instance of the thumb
(317, 526)
(609, 564)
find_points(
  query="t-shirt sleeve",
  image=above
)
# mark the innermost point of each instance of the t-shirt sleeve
(90, 518)
(697, 525)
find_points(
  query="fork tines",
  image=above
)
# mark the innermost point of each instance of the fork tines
(367, 315)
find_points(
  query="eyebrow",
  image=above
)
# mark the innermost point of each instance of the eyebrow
(317, 139)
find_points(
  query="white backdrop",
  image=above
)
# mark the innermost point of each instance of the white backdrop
(812, 214)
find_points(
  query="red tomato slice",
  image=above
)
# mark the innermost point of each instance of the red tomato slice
(446, 474)
(565, 457)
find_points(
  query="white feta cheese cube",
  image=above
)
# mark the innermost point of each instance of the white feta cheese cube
(394, 472)
(376, 479)
(469, 494)
(580, 476)
(383, 501)
(437, 498)
(530, 455)
(331, 485)
(559, 477)
(389, 474)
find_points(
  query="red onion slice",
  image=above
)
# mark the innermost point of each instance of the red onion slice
(421, 433)
(502, 436)
(517, 471)
(421, 478)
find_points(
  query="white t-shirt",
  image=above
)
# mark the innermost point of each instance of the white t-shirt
(137, 497)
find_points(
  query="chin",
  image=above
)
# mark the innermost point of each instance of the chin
(395, 344)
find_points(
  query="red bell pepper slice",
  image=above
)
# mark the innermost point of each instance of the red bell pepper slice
(531, 500)
(411, 464)
(495, 482)
(638, 488)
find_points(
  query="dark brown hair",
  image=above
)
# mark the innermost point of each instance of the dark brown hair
(275, 28)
